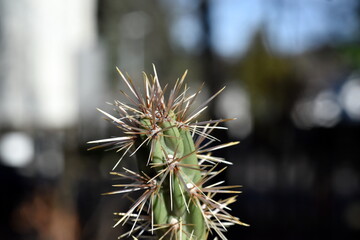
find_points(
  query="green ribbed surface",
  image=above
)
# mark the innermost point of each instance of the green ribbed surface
(175, 143)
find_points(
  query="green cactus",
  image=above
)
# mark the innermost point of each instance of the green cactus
(173, 169)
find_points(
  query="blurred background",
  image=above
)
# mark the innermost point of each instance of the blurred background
(292, 71)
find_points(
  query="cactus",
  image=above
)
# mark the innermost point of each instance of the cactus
(174, 170)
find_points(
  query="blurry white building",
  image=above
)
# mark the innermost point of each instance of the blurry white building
(42, 45)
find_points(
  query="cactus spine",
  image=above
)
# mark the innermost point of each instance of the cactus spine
(173, 168)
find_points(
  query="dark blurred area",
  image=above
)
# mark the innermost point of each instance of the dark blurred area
(292, 71)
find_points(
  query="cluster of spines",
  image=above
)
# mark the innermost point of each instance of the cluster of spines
(173, 167)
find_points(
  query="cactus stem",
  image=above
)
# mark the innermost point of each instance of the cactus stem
(175, 163)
